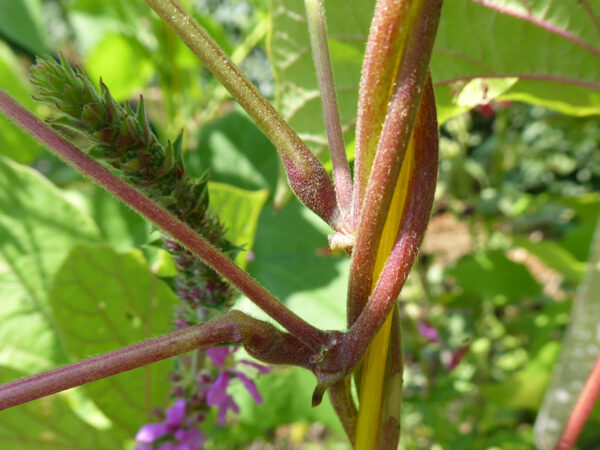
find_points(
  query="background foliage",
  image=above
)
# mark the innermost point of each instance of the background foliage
(486, 306)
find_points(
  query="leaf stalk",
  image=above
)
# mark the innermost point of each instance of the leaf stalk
(315, 14)
(258, 337)
(306, 175)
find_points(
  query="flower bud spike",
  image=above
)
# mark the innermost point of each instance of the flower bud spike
(122, 138)
(93, 115)
(142, 120)
(113, 109)
(168, 163)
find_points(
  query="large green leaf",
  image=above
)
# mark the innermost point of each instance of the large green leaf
(48, 423)
(581, 347)
(238, 210)
(539, 51)
(38, 227)
(120, 226)
(291, 260)
(102, 301)
(122, 64)
(236, 152)
(553, 48)
(298, 97)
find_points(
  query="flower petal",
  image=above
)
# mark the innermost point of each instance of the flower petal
(217, 393)
(429, 332)
(218, 355)
(176, 413)
(151, 432)
(192, 439)
(249, 385)
(226, 404)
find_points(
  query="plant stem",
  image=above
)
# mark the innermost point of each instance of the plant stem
(258, 337)
(386, 191)
(411, 209)
(387, 40)
(413, 223)
(391, 148)
(343, 403)
(389, 432)
(307, 176)
(318, 40)
(581, 410)
(311, 336)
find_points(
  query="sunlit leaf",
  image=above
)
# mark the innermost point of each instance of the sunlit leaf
(38, 227)
(48, 423)
(238, 210)
(539, 51)
(104, 300)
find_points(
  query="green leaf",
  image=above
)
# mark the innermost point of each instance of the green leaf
(292, 262)
(552, 47)
(102, 301)
(14, 142)
(38, 227)
(121, 63)
(540, 51)
(92, 20)
(119, 225)
(24, 15)
(48, 423)
(238, 210)
(236, 152)
(581, 347)
(492, 275)
(298, 97)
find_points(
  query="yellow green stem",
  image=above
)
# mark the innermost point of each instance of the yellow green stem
(374, 363)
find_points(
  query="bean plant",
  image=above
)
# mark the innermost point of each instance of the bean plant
(376, 200)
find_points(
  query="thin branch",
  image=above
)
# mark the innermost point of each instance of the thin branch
(261, 340)
(318, 40)
(160, 217)
(307, 176)
(582, 410)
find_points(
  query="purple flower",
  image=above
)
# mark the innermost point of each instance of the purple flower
(217, 394)
(429, 332)
(187, 439)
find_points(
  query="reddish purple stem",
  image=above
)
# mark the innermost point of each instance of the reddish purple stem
(199, 246)
(260, 339)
